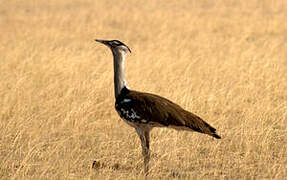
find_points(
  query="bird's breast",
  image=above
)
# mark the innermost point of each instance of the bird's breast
(129, 113)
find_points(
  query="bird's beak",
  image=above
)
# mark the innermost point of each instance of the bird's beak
(103, 42)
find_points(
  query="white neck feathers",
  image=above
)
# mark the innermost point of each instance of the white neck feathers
(119, 71)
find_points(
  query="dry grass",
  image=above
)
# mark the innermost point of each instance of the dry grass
(223, 60)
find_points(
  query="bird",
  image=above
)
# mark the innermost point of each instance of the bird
(144, 111)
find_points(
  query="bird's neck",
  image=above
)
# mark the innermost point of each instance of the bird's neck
(119, 72)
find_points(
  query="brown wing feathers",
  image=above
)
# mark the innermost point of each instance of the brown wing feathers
(160, 110)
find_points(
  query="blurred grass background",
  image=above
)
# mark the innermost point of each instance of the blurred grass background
(223, 60)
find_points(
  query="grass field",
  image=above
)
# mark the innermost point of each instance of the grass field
(224, 60)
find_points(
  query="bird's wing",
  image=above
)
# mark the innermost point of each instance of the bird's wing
(156, 109)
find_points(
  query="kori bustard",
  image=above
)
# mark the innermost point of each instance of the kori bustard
(143, 111)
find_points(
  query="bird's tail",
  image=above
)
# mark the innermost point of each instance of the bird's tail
(212, 130)
(197, 124)
(216, 136)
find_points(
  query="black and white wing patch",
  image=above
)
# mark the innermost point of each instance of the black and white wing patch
(128, 111)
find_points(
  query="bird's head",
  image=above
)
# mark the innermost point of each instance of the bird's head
(115, 45)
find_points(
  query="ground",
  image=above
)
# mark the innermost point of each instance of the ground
(225, 61)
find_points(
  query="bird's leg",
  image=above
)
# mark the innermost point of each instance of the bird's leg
(144, 136)
(146, 152)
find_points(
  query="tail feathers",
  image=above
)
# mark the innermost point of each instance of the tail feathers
(216, 136)
(199, 125)
(183, 118)
(213, 130)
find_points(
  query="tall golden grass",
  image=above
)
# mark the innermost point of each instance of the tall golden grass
(223, 60)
